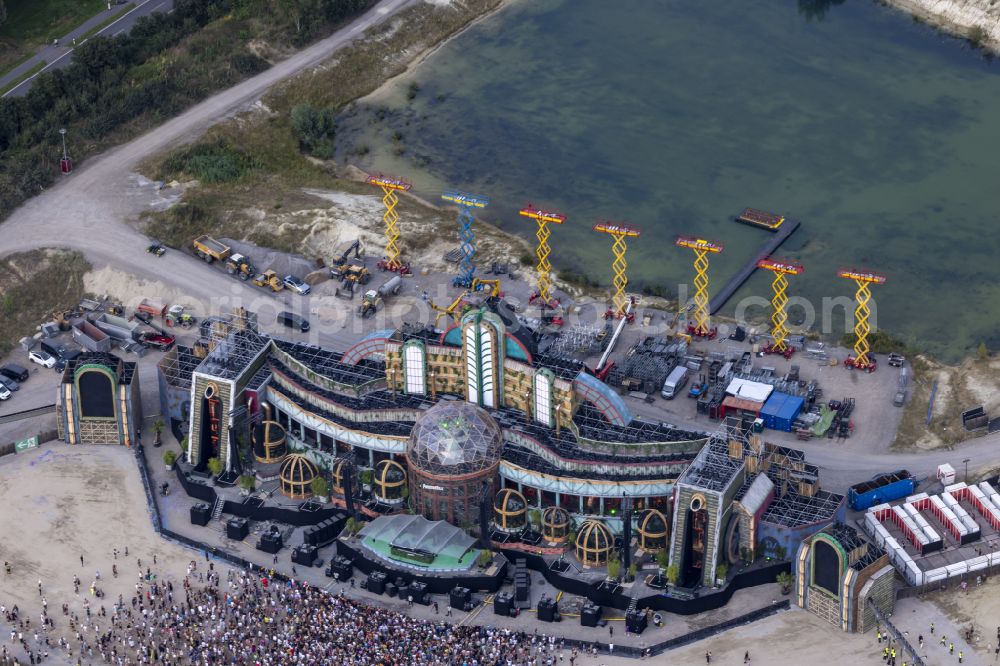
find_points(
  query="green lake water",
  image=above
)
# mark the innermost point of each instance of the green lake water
(881, 135)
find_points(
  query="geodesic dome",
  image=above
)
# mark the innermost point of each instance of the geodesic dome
(454, 437)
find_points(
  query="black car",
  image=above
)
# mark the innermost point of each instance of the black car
(156, 249)
(15, 372)
(292, 320)
(66, 357)
(9, 383)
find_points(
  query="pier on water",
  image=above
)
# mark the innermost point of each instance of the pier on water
(780, 232)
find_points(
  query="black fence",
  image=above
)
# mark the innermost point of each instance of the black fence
(658, 602)
(436, 584)
(679, 641)
(295, 516)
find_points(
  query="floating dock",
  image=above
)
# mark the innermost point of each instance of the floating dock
(781, 227)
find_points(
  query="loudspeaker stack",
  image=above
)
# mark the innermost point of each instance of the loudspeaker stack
(590, 614)
(548, 610)
(200, 514)
(376, 582)
(460, 598)
(304, 555)
(237, 528)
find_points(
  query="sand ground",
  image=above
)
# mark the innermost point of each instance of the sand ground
(61, 501)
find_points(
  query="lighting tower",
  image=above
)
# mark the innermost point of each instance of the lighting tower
(701, 249)
(542, 251)
(389, 188)
(619, 232)
(466, 202)
(863, 279)
(779, 302)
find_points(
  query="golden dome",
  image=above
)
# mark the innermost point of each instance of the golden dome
(652, 529)
(510, 510)
(594, 543)
(555, 523)
(388, 480)
(296, 474)
(268, 442)
(341, 468)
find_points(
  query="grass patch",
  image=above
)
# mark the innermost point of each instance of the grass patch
(14, 60)
(34, 285)
(25, 76)
(35, 21)
(108, 21)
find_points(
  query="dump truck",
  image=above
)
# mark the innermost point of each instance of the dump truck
(374, 298)
(881, 488)
(209, 249)
(269, 279)
(151, 307)
(239, 265)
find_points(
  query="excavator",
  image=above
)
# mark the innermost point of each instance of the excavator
(344, 251)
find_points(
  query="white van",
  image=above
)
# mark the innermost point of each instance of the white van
(675, 382)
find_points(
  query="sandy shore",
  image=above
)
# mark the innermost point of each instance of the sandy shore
(957, 17)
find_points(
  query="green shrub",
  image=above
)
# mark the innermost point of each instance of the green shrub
(320, 487)
(169, 458)
(315, 130)
(215, 466)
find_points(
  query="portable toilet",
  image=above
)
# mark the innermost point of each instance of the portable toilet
(946, 474)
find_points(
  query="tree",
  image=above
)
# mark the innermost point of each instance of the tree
(784, 579)
(215, 466)
(663, 559)
(721, 571)
(247, 482)
(320, 487)
(983, 353)
(485, 557)
(314, 129)
(169, 458)
(614, 567)
(673, 574)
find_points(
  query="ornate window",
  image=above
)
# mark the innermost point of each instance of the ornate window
(543, 397)
(414, 367)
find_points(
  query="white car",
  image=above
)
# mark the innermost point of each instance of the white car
(296, 285)
(42, 358)
(4, 393)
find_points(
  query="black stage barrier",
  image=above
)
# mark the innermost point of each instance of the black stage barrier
(657, 602)
(289, 516)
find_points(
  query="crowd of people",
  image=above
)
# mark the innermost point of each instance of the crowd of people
(215, 617)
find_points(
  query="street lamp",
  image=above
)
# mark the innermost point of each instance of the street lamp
(65, 163)
(966, 461)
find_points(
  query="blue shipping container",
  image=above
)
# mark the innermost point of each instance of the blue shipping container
(781, 410)
(882, 488)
